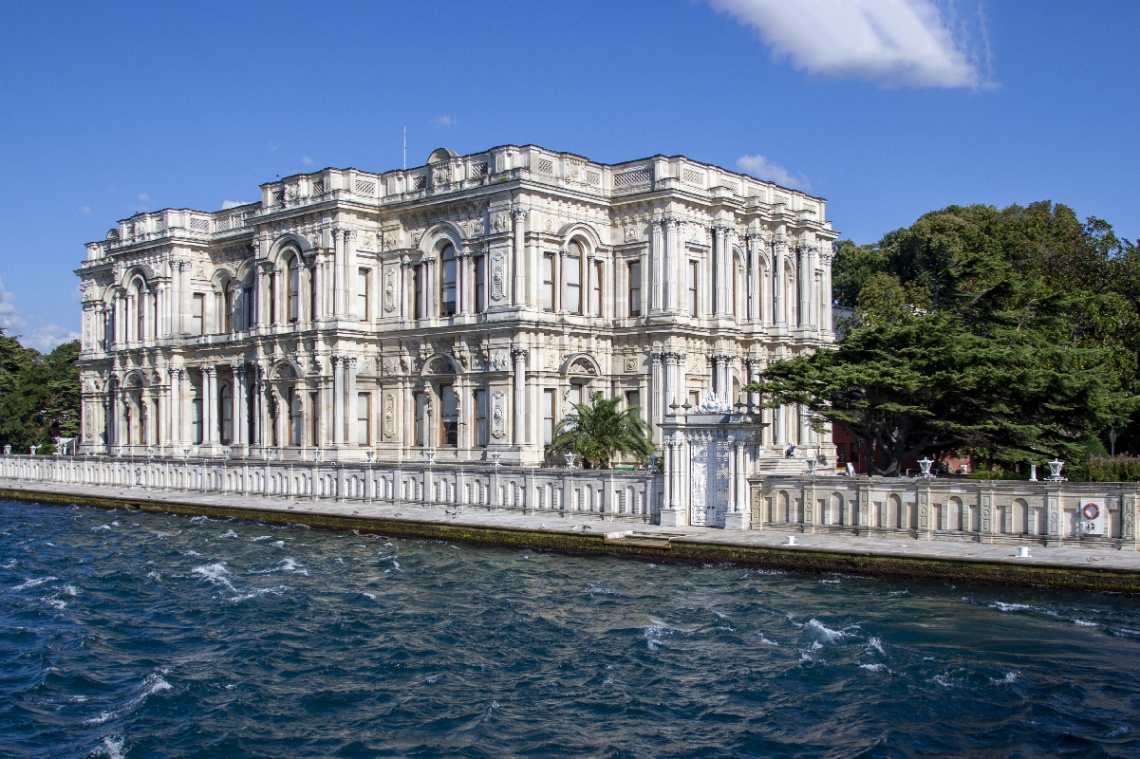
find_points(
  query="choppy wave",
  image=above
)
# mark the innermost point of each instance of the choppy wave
(310, 643)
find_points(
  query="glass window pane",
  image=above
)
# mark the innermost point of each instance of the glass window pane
(447, 288)
(548, 283)
(574, 284)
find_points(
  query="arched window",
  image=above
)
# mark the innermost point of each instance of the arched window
(228, 307)
(294, 285)
(140, 310)
(294, 417)
(447, 279)
(574, 278)
(226, 412)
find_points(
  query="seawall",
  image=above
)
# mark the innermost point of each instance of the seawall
(1064, 568)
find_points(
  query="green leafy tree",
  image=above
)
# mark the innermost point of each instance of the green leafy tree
(39, 395)
(1012, 333)
(597, 431)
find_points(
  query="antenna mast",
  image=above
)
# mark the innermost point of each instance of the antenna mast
(405, 147)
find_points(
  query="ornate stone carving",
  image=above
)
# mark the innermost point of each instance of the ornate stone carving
(631, 364)
(498, 276)
(390, 290)
(389, 415)
(498, 414)
(500, 361)
(390, 366)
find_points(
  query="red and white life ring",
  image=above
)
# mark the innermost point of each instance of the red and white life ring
(1091, 511)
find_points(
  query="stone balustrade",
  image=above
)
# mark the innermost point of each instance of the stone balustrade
(619, 496)
(1102, 514)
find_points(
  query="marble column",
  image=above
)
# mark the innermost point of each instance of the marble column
(657, 395)
(520, 355)
(338, 272)
(338, 400)
(175, 404)
(209, 405)
(518, 215)
(350, 272)
(672, 263)
(654, 299)
(405, 295)
(350, 391)
(668, 384)
(779, 307)
(317, 300)
(237, 415)
(723, 266)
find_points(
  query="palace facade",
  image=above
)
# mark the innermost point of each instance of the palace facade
(459, 307)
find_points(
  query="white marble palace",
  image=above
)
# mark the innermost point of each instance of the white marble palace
(457, 307)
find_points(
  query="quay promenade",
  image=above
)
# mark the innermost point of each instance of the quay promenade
(1098, 568)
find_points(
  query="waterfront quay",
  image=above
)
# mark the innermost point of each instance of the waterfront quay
(1070, 567)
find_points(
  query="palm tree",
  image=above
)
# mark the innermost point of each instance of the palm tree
(598, 431)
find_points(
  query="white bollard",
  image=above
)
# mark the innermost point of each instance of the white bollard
(791, 540)
(1023, 552)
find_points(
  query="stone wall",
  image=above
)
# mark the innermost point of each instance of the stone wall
(990, 511)
(624, 496)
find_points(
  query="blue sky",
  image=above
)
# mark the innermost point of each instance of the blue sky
(888, 108)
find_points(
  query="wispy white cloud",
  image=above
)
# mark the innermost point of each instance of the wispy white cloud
(47, 337)
(306, 160)
(228, 204)
(144, 198)
(896, 43)
(761, 168)
(444, 121)
(85, 210)
(10, 317)
(42, 338)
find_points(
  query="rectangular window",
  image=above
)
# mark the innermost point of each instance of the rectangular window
(596, 287)
(294, 286)
(198, 315)
(364, 294)
(548, 282)
(364, 419)
(481, 418)
(573, 398)
(573, 284)
(247, 307)
(635, 288)
(633, 400)
(694, 268)
(547, 416)
(228, 298)
(314, 419)
(314, 293)
(417, 293)
(272, 280)
(447, 305)
(449, 416)
(421, 418)
(196, 421)
(480, 284)
(294, 418)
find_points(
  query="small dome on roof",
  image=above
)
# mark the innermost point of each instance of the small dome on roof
(441, 154)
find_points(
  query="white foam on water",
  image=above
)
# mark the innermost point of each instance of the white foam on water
(830, 582)
(1118, 732)
(658, 635)
(115, 523)
(154, 683)
(70, 590)
(369, 596)
(875, 643)
(278, 543)
(276, 590)
(99, 718)
(191, 553)
(767, 642)
(1084, 623)
(943, 681)
(876, 667)
(902, 592)
(32, 583)
(287, 564)
(112, 747)
(1126, 632)
(55, 603)
(215, 574)
(199, 519)
(719, 615)
(826, 633)
(1000, 606)
(1009, 679)
(228, 534)
(490, 711)
(154, 576)
(10, 564)
(260, 538)
(101, 527)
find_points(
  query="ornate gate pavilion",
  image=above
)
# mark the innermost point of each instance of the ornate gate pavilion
(457, 307)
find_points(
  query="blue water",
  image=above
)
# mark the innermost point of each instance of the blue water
(133, 635)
